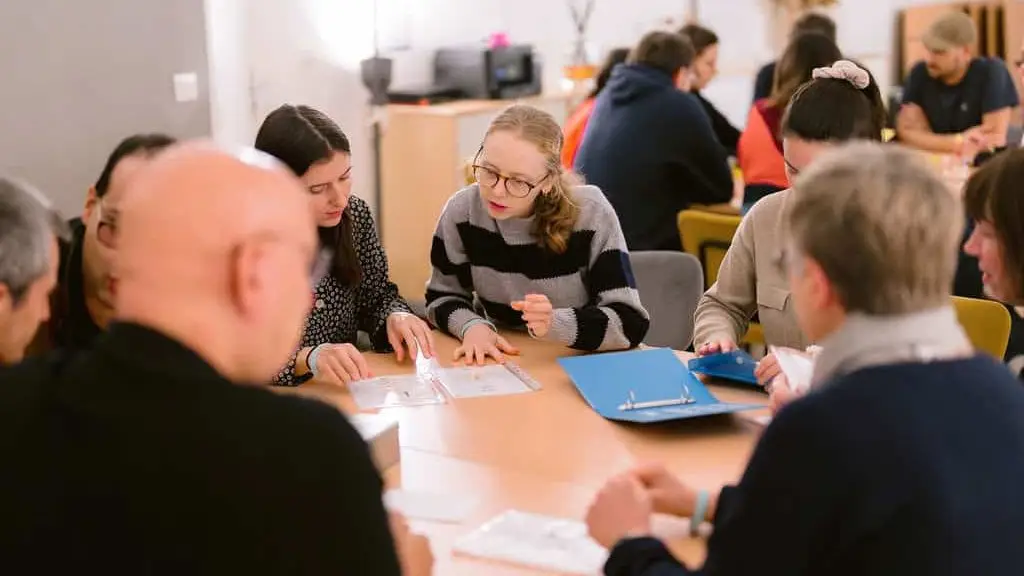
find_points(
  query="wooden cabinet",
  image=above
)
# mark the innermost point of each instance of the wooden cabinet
(424, 154)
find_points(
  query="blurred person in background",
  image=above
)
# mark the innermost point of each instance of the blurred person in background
(577, 121)
(702, 72)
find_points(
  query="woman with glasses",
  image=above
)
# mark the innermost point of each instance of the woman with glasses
(355, 294)
(537, 250)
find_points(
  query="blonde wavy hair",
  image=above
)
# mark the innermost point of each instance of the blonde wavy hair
(554, 209)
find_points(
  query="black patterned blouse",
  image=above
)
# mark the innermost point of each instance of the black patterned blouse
(340, 311)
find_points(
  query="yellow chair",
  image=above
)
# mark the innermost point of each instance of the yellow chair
(986, 323)
(707, 236)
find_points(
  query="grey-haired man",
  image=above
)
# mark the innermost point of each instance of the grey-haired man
(29, 229)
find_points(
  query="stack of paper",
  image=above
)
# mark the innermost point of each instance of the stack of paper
(537, 541)
(393, 391)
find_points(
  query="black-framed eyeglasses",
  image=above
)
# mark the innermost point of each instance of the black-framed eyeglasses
(489, 177)
(106, 228)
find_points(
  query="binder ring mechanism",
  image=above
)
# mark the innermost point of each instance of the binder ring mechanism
(632, 404)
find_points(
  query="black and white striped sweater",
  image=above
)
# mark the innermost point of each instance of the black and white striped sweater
(590, 286)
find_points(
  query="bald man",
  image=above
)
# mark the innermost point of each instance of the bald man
(150, 454)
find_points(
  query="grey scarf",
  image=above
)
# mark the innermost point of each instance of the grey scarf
(864, 341)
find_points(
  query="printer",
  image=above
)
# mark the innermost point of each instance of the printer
(482, 72)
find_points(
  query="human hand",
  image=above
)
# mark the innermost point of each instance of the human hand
(405, 330)
(537, 310)
(413, 549)
(668, 494)
(767, 369)
(479, 342)
(716, 347)
(780, 394)
(622, 509)
(341, 364)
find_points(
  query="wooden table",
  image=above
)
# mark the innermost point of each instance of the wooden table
(544, 452)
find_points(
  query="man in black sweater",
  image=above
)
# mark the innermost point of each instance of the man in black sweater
(649, 145)
(158, 452)
(905, 459)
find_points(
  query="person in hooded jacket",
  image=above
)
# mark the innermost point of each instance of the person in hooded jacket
(650, 147)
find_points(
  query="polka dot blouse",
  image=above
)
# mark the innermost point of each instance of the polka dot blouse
(340, 311)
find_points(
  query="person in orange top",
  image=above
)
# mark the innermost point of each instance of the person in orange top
(759, 152)
(577, 122)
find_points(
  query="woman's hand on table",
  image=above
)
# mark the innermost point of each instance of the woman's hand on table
(767, 369)
(341, 364)
(537, 310)
(780, 394)
(622, 509)
(479, 342)
(413, 549)
(668, 494)
(406, 331)
(716, 347)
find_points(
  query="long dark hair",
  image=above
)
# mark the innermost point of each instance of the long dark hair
(301, 136)
(804, 53)
(834, 110)
(615, 57)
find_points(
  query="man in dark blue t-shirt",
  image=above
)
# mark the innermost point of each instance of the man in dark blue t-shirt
(952, 102)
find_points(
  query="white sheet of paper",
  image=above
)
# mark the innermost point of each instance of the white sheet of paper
(797, 366)
(543, 542)
(428, 506)
(391, 391)
(475, 381)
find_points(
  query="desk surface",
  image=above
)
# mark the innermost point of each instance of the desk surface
(546, 451)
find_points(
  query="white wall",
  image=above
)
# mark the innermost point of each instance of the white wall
(266, 52)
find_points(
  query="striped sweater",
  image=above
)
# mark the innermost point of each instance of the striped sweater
(590, 286)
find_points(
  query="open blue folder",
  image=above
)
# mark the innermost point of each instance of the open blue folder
(737, 366)
(644, 386)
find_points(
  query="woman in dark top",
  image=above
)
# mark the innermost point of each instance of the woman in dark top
(704, 69)
(356, 294)
(996, 208)
(759, 152)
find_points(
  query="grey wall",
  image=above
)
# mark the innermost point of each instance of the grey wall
(77, 76)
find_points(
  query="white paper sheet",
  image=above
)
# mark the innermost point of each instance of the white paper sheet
(797, 366)
(491, 380)
(537, 541)
(392, 391)
(428, 506)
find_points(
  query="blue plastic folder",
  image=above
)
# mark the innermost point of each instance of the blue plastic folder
(737, 366)
(644, 386)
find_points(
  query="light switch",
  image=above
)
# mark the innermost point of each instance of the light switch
(186, 87)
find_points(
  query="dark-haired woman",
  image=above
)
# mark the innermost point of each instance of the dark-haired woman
(703, 70)
(759, 153)
(750, 279)
(996, 207)
(577, 122)
(356, 294)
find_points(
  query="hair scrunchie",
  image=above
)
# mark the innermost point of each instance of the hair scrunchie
(844, 70)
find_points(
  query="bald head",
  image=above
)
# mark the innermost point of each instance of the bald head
(218, 244)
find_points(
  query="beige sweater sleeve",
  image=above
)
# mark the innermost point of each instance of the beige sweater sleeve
(724, 311)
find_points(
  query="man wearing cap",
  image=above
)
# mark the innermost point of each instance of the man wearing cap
(953, 102)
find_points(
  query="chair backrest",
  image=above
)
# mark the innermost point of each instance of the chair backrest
(670, 285)
(707, 236)
(986, 323)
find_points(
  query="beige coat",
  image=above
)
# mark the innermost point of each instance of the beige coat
(751, 280)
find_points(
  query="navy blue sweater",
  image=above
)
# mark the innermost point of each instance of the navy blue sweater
(908, 470)
(651, 149)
